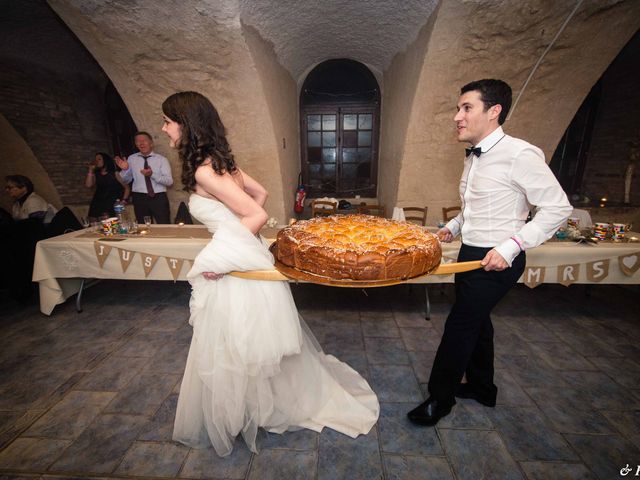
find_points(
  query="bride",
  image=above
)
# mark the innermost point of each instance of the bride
(253, 362)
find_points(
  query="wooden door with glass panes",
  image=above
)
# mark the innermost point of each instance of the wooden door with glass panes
(339, 150)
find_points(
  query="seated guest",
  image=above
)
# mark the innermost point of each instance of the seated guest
(28, 204)
(109, 186)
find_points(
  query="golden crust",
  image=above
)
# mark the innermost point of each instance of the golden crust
(358, 247)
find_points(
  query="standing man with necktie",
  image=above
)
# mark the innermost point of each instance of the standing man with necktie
(503, 177)
(151, 175)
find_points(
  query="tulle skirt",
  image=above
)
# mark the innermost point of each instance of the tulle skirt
(254, 363)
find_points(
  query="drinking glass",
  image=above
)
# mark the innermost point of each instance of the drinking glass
(85, 222)
(147, 221)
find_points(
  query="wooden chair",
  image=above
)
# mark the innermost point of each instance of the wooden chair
(416, 215)
(377, 210)
(323, 207)
(449, 212)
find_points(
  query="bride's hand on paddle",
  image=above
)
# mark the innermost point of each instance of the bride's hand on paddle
(212, 275)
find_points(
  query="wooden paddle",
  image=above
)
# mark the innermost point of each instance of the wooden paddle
(275, 275)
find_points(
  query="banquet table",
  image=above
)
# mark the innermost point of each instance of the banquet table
(63, 263)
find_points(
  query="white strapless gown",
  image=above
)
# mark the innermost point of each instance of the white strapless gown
(253, 362)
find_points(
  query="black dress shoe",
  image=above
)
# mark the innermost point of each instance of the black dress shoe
(429, 412)
(466, 391)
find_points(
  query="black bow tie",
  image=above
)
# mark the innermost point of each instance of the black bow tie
(473, 150)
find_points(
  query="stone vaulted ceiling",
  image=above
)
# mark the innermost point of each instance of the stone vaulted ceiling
(304, 34)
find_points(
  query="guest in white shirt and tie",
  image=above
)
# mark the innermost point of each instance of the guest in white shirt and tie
(151, 176)
(503, 177)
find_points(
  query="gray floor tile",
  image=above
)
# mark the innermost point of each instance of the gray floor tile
(100, 448)
(153, 460)
(527, 434)
(380, 328)
(69, 417)
(410, 319)
(531, 372)
(344, 457)
(479, 454)
(601, 391)
(386, 351)
(422, 362)
(628, 423)
(509, 391)
(398, 467)
(160, 427)
(298, 440)
(112, 374)
(605, 455)
(394, 383)
(167, 318)
(561, 357)
(569, 411)
(467, 414)
(421, 339)
(32, 453)
(143, 394)
(398, 435)
(624, 371)
(205, 463)
(281, 464)
(556, 471)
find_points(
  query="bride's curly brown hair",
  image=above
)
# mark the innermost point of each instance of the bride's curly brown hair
(203, 135)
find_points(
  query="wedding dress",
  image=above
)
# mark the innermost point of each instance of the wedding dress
(253, 362)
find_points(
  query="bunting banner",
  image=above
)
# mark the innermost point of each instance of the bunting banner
(102, 252)
(534, 276)
(125, 258)
(568, 274)
(148, 261)
(598, 270)
(629, 264)
(175, 265)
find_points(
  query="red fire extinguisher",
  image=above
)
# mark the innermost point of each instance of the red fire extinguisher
(300, 196)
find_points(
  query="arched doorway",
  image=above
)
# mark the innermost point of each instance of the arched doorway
(339, 115)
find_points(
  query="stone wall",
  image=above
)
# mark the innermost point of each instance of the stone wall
(615, 126)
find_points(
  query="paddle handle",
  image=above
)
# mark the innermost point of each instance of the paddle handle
(275, 275)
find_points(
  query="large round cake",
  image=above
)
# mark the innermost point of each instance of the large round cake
(358, 247)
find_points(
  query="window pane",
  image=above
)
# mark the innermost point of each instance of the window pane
(328, 139)
(349, 155)
(349, 171)
(329, 172)
(314, 175)
(364, 139)
(314, 154)
(328, 122)
(364, 170)
(364, 154)
(364, 121)
(350, 122)
(329, 155)
(313, 122)
(350, 139)
(313, 139)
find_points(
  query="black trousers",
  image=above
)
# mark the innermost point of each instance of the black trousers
(467, 342)
(156, 207)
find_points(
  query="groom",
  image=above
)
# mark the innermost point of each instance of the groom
(502, 177)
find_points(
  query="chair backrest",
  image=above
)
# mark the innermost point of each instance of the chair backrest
(378, 210)
(183, 215)
(449, 212)
(63, 221)
(323, 207)
(416, 215)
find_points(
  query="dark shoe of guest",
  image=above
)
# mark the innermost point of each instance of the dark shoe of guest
(466, 391)
(429, 413)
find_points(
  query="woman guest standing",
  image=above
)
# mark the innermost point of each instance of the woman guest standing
(109, 187)
(253, 363)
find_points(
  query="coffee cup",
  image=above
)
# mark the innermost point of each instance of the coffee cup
(619, 230)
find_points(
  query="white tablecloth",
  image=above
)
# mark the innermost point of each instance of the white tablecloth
(62, 262)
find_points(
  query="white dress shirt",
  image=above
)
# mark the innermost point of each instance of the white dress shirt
(33, 204)
(499, 188)
(160, 178)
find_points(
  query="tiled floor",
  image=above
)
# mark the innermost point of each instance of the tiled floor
(94, 394)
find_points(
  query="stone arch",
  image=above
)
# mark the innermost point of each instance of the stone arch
(465, 42)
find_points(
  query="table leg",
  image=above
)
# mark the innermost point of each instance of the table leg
(427, 315)
(79, 296)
